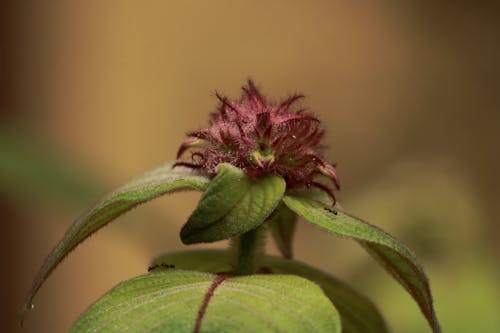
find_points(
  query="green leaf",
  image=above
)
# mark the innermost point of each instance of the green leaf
(358, 314)
(394, 256)
(186, 301)
(151, 185)
(232, 205)
(282, 226)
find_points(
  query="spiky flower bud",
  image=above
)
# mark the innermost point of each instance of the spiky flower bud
(262, 138)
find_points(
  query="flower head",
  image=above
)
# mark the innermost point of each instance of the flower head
(262, 138)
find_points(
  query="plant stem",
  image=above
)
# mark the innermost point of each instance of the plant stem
(248, 248)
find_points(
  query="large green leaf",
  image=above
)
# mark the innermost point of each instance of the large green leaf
(152, 184)
(232, 205)
(393, 255)
(357, 313)
(186, 301)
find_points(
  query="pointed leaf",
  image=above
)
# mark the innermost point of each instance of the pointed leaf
(395, 257)
(151, 185)
(223, 193)
(232, 205)
(282, 226)
(358, 314)
(186, 301)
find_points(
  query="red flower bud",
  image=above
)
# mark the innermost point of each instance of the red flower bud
(262, 138)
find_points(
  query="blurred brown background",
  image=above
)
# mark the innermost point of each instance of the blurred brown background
(94, 93)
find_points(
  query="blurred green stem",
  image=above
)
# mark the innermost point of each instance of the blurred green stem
(248, 247)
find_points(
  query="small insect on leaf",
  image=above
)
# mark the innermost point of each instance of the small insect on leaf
(153, 267)
(331, 210)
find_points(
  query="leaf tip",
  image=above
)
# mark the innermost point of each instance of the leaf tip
(27, 307)
(187, 234)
